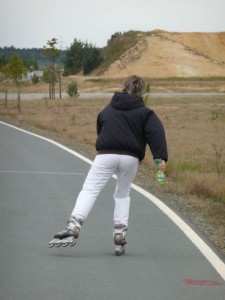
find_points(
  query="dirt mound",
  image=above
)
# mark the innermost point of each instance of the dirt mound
(172, 54)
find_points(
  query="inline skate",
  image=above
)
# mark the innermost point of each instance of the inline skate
(69, 236)
(119, 234)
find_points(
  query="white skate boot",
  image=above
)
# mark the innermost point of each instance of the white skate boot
(69, 235)
(119, 234)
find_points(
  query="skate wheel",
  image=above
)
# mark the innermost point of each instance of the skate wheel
(119, 253)
(58, 244)
(72, 243)
(51, 245)
(65, 244)
(120, 250)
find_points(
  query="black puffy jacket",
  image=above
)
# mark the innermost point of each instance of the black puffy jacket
(126, 125)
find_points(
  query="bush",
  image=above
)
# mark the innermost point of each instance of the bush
(147, 92)
(72, 89)
(35, 79)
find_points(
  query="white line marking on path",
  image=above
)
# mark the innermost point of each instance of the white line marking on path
(34, 172)
(210, 255)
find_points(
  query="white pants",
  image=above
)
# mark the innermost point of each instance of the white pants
(103, 167)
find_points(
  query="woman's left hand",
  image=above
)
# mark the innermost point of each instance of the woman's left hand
(162, 166)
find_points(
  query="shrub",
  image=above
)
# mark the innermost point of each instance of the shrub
(35, 79)
(72, 89)
(147, 92)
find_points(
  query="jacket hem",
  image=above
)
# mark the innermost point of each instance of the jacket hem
(120, 152)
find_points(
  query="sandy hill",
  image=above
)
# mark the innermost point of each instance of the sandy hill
(172, 54)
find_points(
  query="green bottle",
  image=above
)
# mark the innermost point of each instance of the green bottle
(160, 176)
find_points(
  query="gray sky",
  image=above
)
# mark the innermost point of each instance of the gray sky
(31, 23)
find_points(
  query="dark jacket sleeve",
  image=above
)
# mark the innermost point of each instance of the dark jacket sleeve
(155, 137)
(98, 124)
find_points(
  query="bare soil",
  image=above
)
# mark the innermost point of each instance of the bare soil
(172, 54)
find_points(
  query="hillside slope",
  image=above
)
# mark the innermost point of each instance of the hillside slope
(172, 54)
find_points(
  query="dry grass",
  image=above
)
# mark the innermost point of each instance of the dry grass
(196, 143)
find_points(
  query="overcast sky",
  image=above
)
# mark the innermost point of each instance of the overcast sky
(31, 23)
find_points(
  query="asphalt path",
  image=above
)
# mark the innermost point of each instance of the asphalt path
(39, 182)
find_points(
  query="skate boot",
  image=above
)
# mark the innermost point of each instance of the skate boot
(119, 234)
(69, 235)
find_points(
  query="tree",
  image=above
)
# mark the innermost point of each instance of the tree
(81, 57)
(30, 56)
(91, 58)
(74, 57)
(31, 63)
(15, 70)
(3, 61)
(52, 52)
(114, 36)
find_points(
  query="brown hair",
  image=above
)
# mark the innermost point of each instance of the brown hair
(134, 85)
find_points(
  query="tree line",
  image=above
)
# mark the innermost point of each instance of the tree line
(79, 57)
(30, 56)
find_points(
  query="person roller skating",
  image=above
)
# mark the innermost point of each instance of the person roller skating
(124, 128)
